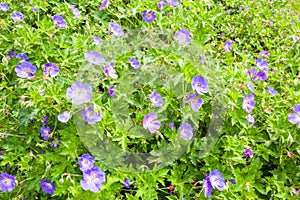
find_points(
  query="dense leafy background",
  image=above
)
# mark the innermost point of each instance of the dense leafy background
(270, 174)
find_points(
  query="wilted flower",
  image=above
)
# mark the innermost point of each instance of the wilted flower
(228, 45)
(216, 179)
(207, 187)
(260, 76)
(75, 12)
(126, 183)
(25, 70)
(272, 91)
(134, 63)
(199, 84)
(264, 54)
(294, 118)
(51, 69)
(45, 120)
(79, 93)
(17, 16)
(7, 182)
(262, 64)
(173, 3)
(161, 4)
(97, 40)
(250, 119)
(45, 132)
(229, 11)
(248, 103)
(148, 16)
(47, 186)
(248, 153)
(186, 131)
(182, 37)
(94, 58)
(93, 179)
(4, 7)
(55, 144)
(151, 123)
(59, 21)
(12, 54)
(156, 99)
(23, 56)
(111, 91)
(86, 162)
(104, 4)
(250, 87)
(90, 116)
(110, 71)
(251, 72)
(64, 117)
(115, 29)
(195, 102)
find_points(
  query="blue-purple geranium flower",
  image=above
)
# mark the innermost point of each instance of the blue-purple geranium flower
(23, 56)
(47, 186)
(55, 144)
(216, 179)
(262, 76)
(97, 40)
(17, 16)
(94, 58)
(161, 4)
(264, 54)
(195, 102)
(86, 162)
(45, 132)
(90, 116)
(115, 29)
(207, 187)
(250, 119)
(76, 12)
(59, 21)
(104, 4)
(173, 3)
(126, 183)
(134, 63)
(294, 118)
(51, 69)
(45, 120)
(111, 91)
(93, 179)
(248, 153)
(110, 71)
(25, 70)
(228, 45)
(79, 93)
(64, 117)
(272, 91)
(7, 182)
(151, 123)
(148, 16)
(183, 37)
(171, 125)
(186, 131)
(262, 64)
(199, 84)
(4, 7)
(248, 103)
(156, 99)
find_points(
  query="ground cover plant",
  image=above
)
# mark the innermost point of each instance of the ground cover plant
(143, 99)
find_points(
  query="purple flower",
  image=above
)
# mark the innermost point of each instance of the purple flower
(229, 11)
(272, 91)
(156, 99)
(248, 153)
(173, 3)
(45, 120)
(31, 118)
(51, 68)
(12, 54)
(1, 156)
(76, 12)
(97, 40)
(271, 21)
(45, 131)
(186, 131)
(294, 118)
(195, 102)
(260, 76)
(228, 46)
(171, 125)
(104, 4)
(111, 91)
(23, 56)
(247, 7)
(262, 64)
(207, 187)
(94, 58)
(110, 71)
(64, 117)
(250, 87)
(86, 162)
(41, 92)
(79, 93)
(25, 70)
(250, 119)
(199, 84)
(161, 4)
(115, 29)
(232, 181)
(248, 103)
(126, 183)
(55, 144)
(240, 9)
(34, 9)
(93, 179)
(4, 7)
(182, 37)
(251, 72)
(295, 38)
(134, 63)
(90, 116)
(264, 54)
(47, 186)
(151, 123)
(7, 182)
(293, 22)
(216, 179)
(148, 16)
(17, 16)
(59, 21)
